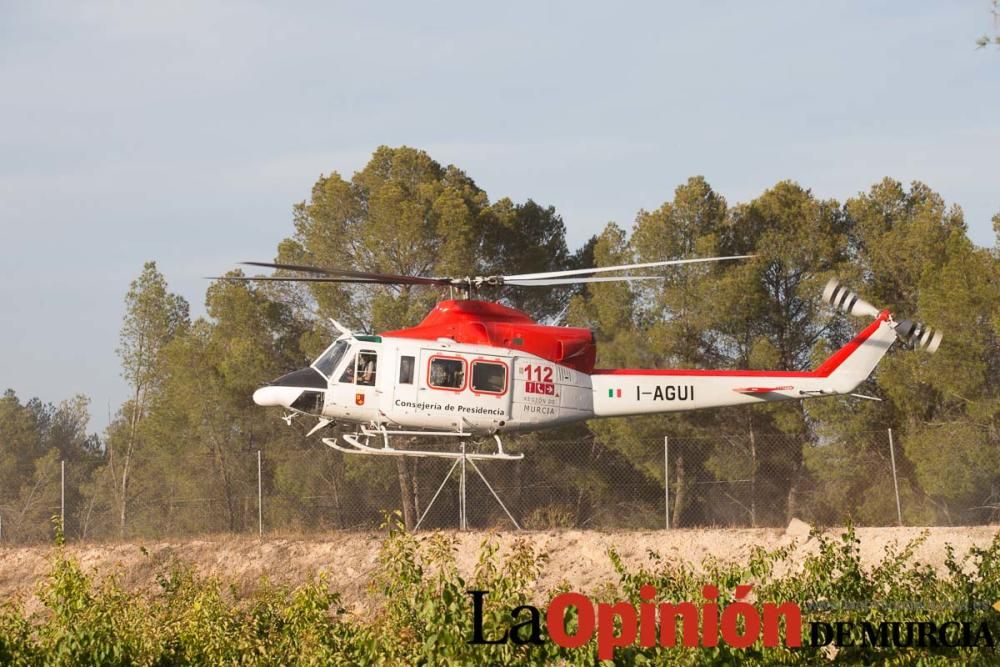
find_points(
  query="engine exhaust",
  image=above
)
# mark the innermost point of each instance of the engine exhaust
(844, 299)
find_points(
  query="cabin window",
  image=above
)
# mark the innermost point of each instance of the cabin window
(406, 370)
(362, 370)
(489, 377)
(446, 373)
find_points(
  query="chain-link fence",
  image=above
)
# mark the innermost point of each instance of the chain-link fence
(725, 480)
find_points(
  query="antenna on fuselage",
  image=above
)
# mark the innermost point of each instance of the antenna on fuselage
(341, 328)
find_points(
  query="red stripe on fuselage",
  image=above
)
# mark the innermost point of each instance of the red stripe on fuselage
(825, 369)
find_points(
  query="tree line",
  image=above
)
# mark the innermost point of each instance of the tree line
(189, 430)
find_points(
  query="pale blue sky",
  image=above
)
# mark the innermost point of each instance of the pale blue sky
(184, 132)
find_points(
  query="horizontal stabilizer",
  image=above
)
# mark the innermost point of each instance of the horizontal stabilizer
(761, 390)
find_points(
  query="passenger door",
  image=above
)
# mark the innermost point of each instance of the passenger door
(405, 380)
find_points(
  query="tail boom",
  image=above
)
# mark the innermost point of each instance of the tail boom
(623, 392)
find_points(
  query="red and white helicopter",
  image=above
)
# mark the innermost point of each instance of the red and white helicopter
(476, 368)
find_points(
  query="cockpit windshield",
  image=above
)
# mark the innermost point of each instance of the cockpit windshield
(329, 360)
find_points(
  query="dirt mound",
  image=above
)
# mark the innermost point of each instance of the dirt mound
(576, 557)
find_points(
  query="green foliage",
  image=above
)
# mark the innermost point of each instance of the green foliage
(190, 431)
(186, 620)
(152, 317)
(35, 437)
(525, 238)
(403, 213)
(421, 611)
(902, 247)
(898, 587)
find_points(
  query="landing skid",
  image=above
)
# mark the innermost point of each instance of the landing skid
(462, 458)
(352, 444)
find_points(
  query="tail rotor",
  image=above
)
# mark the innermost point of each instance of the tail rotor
(920, 336)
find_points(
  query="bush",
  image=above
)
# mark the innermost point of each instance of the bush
(422, 612)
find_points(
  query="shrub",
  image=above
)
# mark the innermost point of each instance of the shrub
(422, 612)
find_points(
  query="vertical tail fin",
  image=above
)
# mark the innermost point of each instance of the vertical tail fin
(850, 365)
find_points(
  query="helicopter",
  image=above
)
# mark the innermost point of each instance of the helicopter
(480, 369)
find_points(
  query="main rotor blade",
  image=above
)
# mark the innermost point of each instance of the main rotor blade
(379, 277)
(603, 269)
(577, 281)
(301, 279)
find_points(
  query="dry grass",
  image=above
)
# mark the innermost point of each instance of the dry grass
(576, 557)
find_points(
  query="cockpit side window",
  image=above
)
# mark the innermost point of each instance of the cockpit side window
(327, 362)
(362, 369)
(367, 361)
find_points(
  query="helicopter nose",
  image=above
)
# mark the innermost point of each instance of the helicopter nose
(283, 391)
(272, 396)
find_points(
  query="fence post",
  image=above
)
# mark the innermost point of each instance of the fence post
(895, 482)
(260, 501)
(62, 496)
(666, 480)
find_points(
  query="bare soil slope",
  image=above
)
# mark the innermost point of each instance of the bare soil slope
(577, 557)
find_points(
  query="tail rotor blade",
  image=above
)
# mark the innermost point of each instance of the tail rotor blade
(921, 336)
(844, 299)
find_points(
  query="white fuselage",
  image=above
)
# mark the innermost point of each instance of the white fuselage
(446, 386)
(489, 389)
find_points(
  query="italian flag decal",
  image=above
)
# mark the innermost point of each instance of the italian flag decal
(614, 393)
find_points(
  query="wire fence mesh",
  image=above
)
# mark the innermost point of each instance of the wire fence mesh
(725, 480)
